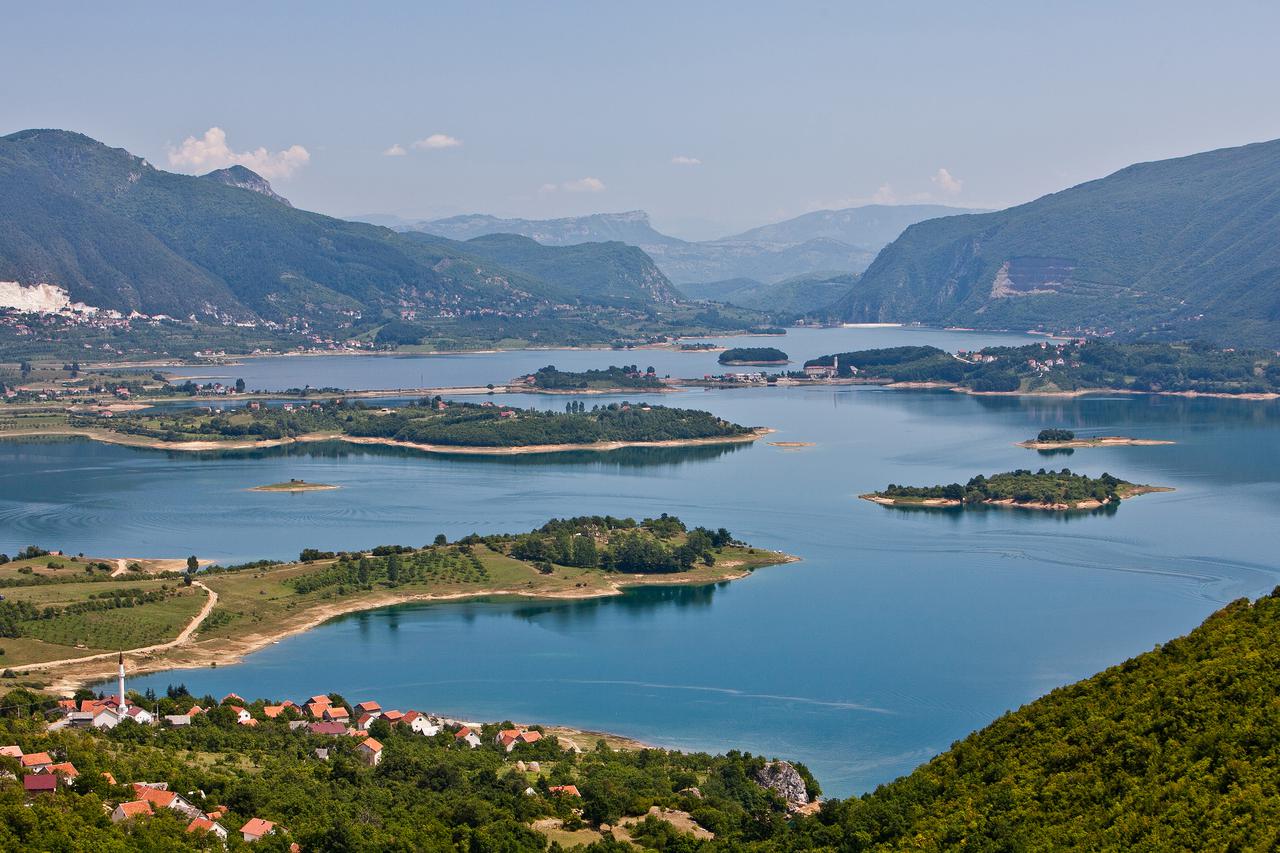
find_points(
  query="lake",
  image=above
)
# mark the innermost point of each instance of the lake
(900, 632)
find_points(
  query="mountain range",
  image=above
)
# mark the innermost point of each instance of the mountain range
(1184, 248)
(114, 232)
(826, 240)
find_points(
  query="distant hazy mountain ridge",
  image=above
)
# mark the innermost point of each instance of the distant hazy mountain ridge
(840, 240)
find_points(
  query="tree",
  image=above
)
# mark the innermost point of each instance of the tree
(440, 540)
(362, 571)
(393, 568)
(239, 386)
(193, 564)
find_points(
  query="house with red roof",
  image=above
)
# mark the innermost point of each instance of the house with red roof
(65, 769)
(231, 697)
(203, 825)
(564, 790)
(36, 762)
(371, 751)
(162, 798)
(336, 713)
(273, 711)
(369, 707)
(509, 739)
(44, 783)
(131, 810)
(420, 723)
(467, 736)
(256, 828)
(327, 728)
(14, 751)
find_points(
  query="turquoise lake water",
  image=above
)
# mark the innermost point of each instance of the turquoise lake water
(900, 632)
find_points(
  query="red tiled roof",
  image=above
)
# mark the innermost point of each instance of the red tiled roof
(569, 790)
(14, 751)
(257, 826)
(36, 759)
(200, 824)
(273, 711)
(462, 732)
(368, 706)
(327, 728)
(155, 796)
(66, 768)
(37, 784)
(136, 808)
(111, 780)
(371, 745)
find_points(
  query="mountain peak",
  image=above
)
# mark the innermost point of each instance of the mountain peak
(245, 179)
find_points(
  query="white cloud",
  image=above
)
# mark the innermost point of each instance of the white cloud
(884, 194)
(583, 185)
(682, 160)
(396, 150)
(437, 141)
(947, 182)
(211, 151)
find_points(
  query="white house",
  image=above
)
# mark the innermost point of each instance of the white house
(370, 750)
(421, 724)
(256, 828)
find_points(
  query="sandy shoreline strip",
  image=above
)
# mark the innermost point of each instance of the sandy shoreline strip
(1100, 441)
(110, 437)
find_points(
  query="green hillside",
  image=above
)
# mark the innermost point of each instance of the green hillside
(797, 296)
(1177, 749)
(1183, 247)
(117, 233)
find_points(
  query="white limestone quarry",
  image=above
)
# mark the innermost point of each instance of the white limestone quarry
(35, 298)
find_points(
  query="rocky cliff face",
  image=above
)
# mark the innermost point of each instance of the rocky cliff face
(246, 179)
(783, 779)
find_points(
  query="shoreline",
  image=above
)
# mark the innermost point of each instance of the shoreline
(294, 487)
(1100, 441)
(109, 437)
(1006, 503)
(188, 651)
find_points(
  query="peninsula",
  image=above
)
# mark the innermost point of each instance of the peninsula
(1023, 489)
(1055, 439)
(61, 614)
(431, 425)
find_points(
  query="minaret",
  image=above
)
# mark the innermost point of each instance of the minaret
(121, 674)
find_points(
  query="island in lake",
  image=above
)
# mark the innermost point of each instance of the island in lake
(431, 425)
(610, 379)
(199, 617)
(1055, 439)
(1024, 489)
(753, 355)
(294, 486)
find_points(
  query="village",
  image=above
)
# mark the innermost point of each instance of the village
(44, 774)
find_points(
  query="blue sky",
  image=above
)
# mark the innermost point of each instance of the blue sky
(561, 109)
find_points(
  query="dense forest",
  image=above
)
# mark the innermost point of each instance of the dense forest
(1020, 487)
(628, 376)
(1073, 366)
(1176, 749)
(753, 355)
(655, 545)
(430, 421)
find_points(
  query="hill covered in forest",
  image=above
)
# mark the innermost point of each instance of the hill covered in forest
(1180, 248)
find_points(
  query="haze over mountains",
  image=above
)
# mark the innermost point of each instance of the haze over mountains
(822, 241)
(117, 233)
(1186, 248)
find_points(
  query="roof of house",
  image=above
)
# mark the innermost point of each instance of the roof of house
(273, 711)
(319, 699)
(368, 706)
(111, 780)
(531, 736)
(336, 711)
(155, 796)
(135, 808)
(14, 751)
(232, 697)
(36, 759)
(257, 826)
(200, 824)
(239, 709)
(391, 716)
(41, 782)
(327, 729)
(370, 744)
(66, 768)
(365, 719)
(462, 732)
(570, 790)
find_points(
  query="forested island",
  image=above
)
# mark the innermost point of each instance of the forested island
(1178, 737)
(1043, 489)
(612, 378)
(63, 608)
(753, 355)
(430, 425)
(1056, 439)
(1069, 367)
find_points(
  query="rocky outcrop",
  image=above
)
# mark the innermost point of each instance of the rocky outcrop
(246, 179)
(785, 781)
